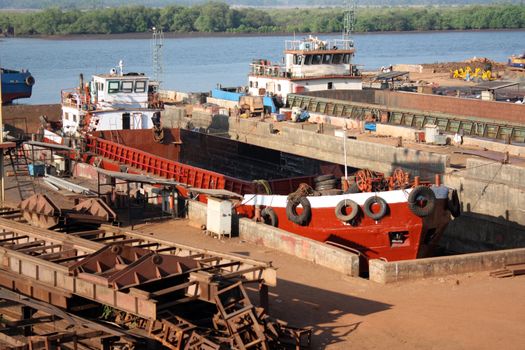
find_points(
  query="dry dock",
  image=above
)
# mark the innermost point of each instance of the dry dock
(491, 192)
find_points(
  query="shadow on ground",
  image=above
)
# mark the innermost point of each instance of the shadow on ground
(302, 306)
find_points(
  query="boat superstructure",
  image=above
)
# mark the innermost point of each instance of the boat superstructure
(310, 64)
(113, 101)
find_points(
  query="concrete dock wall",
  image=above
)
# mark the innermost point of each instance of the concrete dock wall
(409, 134)
(388, 272)
(301, 247)
(289, 243)
(307, 143)
(492, 197)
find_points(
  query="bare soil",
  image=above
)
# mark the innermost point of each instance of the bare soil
(470, 311)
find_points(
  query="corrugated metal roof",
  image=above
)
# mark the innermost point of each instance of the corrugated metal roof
(139, 178)
(49, 145)
(390, 75)
(495, 85)
(218, 193)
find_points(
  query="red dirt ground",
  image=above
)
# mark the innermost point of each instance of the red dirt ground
(471, 311)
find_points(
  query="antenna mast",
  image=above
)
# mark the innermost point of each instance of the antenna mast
(158, 43)
(349, 19)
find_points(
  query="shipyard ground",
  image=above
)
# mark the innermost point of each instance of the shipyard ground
(456, 312)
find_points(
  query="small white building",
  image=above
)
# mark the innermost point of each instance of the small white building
(310, 64)
(112, 101)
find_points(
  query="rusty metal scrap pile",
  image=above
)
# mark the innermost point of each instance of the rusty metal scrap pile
(175, 295)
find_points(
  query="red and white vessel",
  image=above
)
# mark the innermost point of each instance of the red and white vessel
(392, 225)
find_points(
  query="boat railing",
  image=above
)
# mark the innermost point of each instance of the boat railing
(186, 174)
(315, 44)
(265, 68)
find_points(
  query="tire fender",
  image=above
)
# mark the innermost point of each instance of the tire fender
(339, 210)
(422, 193)
(300, 219)
(383, 207)
(30, 81)
(269, 217)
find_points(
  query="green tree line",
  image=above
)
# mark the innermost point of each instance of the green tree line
(220, 17)
(90, 4)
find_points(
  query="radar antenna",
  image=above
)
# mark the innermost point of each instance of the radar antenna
(158, 43)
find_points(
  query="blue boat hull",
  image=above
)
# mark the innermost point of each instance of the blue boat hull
(16, 84)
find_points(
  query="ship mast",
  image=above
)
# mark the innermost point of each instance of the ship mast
(158, 43)
(349, 19)
(348, 28)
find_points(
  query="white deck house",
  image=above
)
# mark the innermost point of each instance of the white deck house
(109, 102)
(310, 64)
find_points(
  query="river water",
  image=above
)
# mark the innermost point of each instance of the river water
(199, 64)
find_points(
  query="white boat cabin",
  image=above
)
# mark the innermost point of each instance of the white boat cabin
(310, 64)
(109, 102)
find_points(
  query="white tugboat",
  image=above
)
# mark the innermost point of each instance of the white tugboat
(111, 101)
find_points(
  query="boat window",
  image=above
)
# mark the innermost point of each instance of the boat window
(101, 87)
(337, 58)
(327, 59)
(278, 87)
(251, 83)
(74, 117)
(316, 59)
(346, 58)
(127, 86)
(256, 84)
(126, 121)
(330, 85)
(308, 59)
(66, 116)
(113, 87)
(140, 86)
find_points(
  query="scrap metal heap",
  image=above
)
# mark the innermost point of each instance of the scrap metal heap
(179, 296)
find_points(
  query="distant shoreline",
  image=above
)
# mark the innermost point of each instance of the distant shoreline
(175, 35)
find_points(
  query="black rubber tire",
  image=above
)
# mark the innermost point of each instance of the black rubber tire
(453, 204)
(353, 188)
(343, 204)
(383, 208)
(324, 187)
(30, 81)
(332, 192)
(269, 217)
(300, 219)
(322, 178)
(331, 182)
(428, 196)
